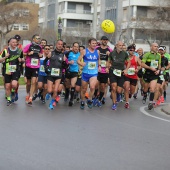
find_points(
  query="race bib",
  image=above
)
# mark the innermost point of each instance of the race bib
(42, 68)
(34, 62)
(131, 71)
(117, 72)
(55, 71)
(161, 77)
(154, 64)
(91, 65)
(103, 63)
(12, 68)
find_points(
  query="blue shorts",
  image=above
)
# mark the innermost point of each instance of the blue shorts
(86, 77)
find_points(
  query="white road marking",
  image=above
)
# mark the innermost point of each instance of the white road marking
(142, 109)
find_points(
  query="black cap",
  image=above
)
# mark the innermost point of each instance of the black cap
(104, 38)
(17, 37)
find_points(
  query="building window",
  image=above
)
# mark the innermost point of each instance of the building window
(25, 27)
(25, 13)
(16, 27)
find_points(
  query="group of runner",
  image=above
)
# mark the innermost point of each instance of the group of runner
(77, 71)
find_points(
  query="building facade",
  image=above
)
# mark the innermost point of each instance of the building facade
(145, 22)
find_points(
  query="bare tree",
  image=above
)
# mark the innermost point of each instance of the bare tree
(10, 14)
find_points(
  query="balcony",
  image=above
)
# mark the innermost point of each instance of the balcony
(77, 32)
(83, 1)
(75, 11)
(76, 14)
(147, 24)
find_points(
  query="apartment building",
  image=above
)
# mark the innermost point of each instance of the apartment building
(146, 21)
(28, 8)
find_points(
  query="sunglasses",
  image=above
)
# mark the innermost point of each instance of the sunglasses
(37, 38)
(47, 48)
(131, 50)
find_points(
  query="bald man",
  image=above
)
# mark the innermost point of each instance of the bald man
(117, 60)
(151, 61)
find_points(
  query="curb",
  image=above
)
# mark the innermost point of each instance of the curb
(166, 109)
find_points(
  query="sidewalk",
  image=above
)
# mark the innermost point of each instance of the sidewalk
(166, 109)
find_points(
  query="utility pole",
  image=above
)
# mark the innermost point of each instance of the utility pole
(94, 18)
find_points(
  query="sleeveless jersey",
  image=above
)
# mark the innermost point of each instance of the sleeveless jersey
(91, 60)
(131, 71)
(103, 58)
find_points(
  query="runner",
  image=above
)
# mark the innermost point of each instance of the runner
(90, 64)
(33, 53)
(72, 72)
(131, 76)
(161, 79)
(152, 63)
(117, 60)
(11, 61)
(42, 76)
(103, 74)
(54, 71)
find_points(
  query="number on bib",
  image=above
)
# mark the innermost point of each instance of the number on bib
(55, 71)
(103, 63)
(91, 65)
(42, 68)
(12, 68)
(34, 62)
(131, 71)
(154, 64)
(117, 72)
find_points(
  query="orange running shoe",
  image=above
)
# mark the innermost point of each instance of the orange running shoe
(158, 102)
(57, 99)
(162, 99)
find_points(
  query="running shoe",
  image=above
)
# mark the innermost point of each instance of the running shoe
(57, 99)
(16, 96)
(95, 100)
(26, 99)
(162, 99)
(54, 103)
(9, 102)
(51, 107)
(35, 97)
(150, 106)
(103, 100)
(118, 98)
(82, 105)
(89, 104)
(127, 105)
(12, 97)
(43, 101)
(70, 103)
(135, 96)
(114, 107)
(99, 103)
(158, 102)
(30, 102)
(78, 100)
(144, 99)
(47, 97)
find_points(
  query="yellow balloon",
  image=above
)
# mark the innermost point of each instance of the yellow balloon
(108, 26)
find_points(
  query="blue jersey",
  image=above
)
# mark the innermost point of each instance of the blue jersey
(41, 69)
(73, 56)
(91, 60)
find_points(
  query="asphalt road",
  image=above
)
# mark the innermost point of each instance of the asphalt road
(67, 138)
